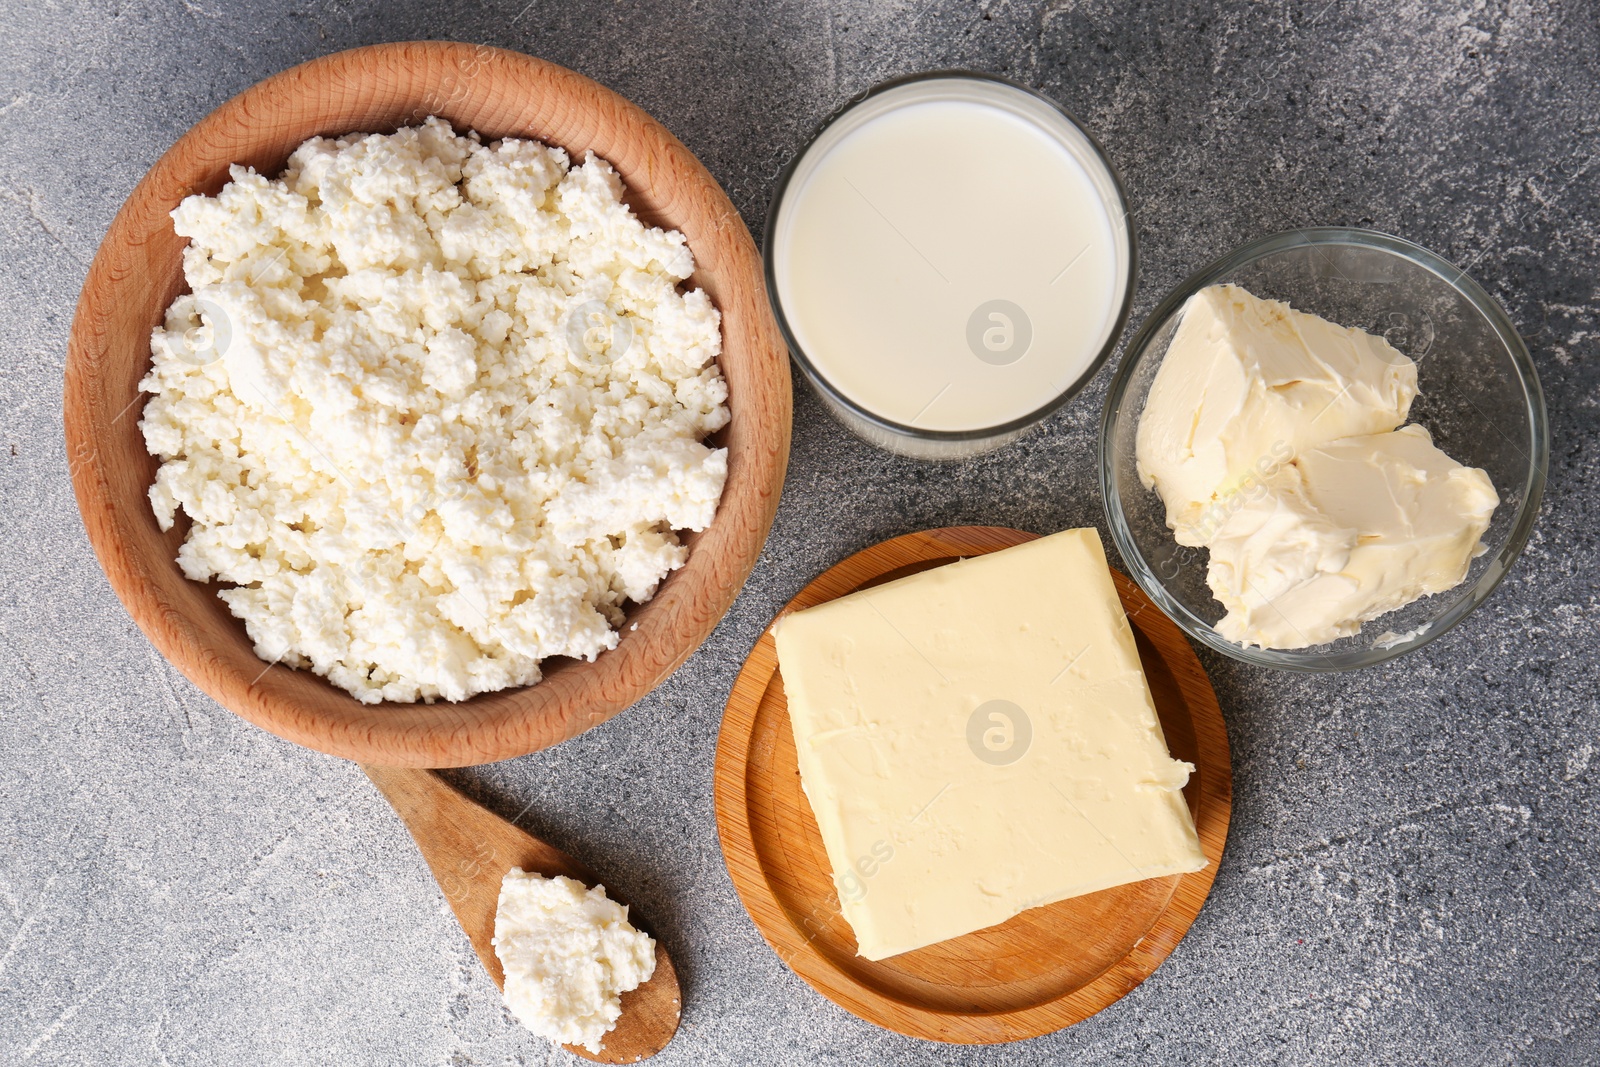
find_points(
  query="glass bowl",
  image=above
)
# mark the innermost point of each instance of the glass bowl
(1479, 397)
(1007, 97)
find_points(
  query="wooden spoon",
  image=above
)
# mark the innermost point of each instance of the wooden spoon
(469, 849)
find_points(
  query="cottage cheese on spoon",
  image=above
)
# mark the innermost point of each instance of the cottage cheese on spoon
(434, 409)
(569, 954)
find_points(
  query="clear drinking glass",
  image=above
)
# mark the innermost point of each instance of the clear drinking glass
(1047, 115)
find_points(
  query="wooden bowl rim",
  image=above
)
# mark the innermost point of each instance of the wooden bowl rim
(767, 911)
(449, 79)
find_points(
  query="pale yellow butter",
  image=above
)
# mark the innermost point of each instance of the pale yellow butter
(979, 739)
(1275, 439)
(1345, 533)
(1248, 384)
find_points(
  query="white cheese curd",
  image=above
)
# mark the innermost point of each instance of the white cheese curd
(569, 954)
(434, 409)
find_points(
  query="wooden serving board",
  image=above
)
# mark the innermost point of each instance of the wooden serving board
(1040, 971)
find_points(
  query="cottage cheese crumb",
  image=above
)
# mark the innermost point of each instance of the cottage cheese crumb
(434, 409)
(569, 954)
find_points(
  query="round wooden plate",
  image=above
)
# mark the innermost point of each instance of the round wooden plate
(138, 272)
(1040, 971)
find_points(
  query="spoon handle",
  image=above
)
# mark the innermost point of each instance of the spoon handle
(468, 848)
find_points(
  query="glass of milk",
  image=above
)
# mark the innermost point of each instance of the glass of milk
(951, 259)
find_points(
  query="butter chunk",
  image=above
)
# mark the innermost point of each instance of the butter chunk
(1345, 533)
(979, 739)
(1248, 383)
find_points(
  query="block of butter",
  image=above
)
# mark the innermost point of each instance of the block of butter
(979, 739)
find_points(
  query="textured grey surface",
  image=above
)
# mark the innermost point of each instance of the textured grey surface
(1412, 874)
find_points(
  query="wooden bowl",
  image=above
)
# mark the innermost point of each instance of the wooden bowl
(137, 273)
(1045, 969)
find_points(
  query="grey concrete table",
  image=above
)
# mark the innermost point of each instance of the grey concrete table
(1412, 874)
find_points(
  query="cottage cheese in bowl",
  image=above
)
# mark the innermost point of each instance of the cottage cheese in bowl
(434, 409)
